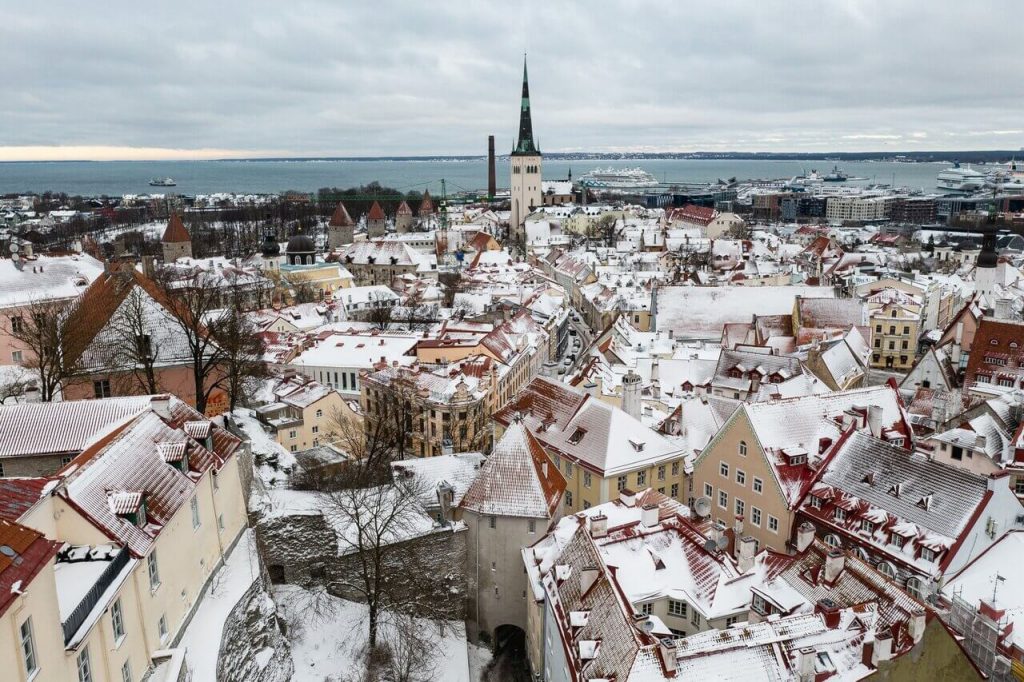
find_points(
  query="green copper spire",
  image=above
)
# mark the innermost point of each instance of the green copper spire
(525, 145)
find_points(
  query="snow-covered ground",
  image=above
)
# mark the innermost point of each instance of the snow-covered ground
(328, 638)
(202, 638)
(479, 657)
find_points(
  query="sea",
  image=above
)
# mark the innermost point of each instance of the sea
(118, 178)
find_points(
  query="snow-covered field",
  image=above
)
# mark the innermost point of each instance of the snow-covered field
(328, 638)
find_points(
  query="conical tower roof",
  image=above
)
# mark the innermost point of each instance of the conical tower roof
(517, 479)
(376, 212)
(341, 218)
(175, 232)
(427, 205)
(403, 209)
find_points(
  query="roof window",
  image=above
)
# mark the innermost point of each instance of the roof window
(577, 435)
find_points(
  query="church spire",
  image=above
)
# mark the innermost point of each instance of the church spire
(525, 145)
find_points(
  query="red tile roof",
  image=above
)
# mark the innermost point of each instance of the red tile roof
(997, 352)
(17, 495)
(376, 212)
(31, 553)
(403, 209)
(175, 232)
(427, 205)
(341, 218)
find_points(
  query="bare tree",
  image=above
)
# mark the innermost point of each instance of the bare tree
(191, 302)
(14, 384)
(393, 572)
(126, 345)
(380, 311)
(40, 329)
(410, 649)
(242, 366)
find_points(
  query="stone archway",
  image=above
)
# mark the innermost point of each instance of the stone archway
(509, 662)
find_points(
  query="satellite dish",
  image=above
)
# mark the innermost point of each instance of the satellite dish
(13, 248)
(7, 551)
(710, 545)
(723, 542)
(702, 507)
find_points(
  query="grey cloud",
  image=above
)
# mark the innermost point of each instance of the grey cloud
(416, 78)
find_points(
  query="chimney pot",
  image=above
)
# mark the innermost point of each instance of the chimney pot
(804, 536)
(649, 516)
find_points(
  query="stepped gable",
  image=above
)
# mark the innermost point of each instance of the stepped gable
(175, 232)
(341, 218)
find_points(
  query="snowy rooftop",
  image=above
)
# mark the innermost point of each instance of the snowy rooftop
(46, 277)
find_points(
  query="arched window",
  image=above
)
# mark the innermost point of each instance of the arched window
(862, 553)
(743, 448)
(833, 540)
(915, 588)
(886, 569)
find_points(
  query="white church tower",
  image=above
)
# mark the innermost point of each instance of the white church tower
(526, 159)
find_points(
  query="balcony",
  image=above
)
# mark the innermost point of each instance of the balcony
(83, 575)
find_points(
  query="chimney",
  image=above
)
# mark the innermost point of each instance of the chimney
(667, 652)
(915, 626)
(745, 560)
(492, 176)
(161, 404)
(1004, 309)
(883, 648)
(717, 531)
(599, 526)
(867, 655)
(875, 420)
(737, 525)
(627, 497)
(805, 663)
(829, 611)
(835, 560)
(590, 388)
(649, 516)
(804, 536)
(588, 576)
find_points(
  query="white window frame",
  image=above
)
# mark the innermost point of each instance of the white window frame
(161, 627)
(117, 620)
(84, 665)
(709, 491)
(758, 485)
(196, 521)
(742, 448)
(773, 524)
(741, 477)
(755, 516)
(126, 671)
(677, 608)
(723, 469)
(28, 647)
(153, 570)
(723, 499)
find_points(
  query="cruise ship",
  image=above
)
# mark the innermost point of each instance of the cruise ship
(957, 179)
(619, 179)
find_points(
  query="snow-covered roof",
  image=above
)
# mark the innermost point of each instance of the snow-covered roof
(516, 479)
(456, 471)
(62, 427)
(46, 277)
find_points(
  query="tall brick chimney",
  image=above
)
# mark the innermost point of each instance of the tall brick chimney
(492, 178)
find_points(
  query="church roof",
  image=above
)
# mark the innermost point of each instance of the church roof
(175, 232)
(341, 218)
(376, 212)
(525, 146)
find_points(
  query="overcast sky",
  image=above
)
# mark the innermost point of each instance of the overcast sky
(182, 80)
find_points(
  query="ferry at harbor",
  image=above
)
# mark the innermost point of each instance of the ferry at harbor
(619, 179)
(162, 182)
(836, 175)
(957, 179)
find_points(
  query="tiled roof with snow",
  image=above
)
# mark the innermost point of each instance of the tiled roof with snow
(592, 432)
(516, 479)
(61, 427)
(18, 495)
(32, 551)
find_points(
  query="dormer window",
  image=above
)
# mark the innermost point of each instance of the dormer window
(815, 502)
(897, 540)
(577, 436)
(129, 505)
(840, 514)
(867, 526)
(927, 554)
(637, 445)
(895, 489)
(925, 502)
(174, 454)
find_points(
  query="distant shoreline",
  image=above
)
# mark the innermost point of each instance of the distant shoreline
(964, 156)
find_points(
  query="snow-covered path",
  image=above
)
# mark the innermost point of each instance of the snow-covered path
(202, 638)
